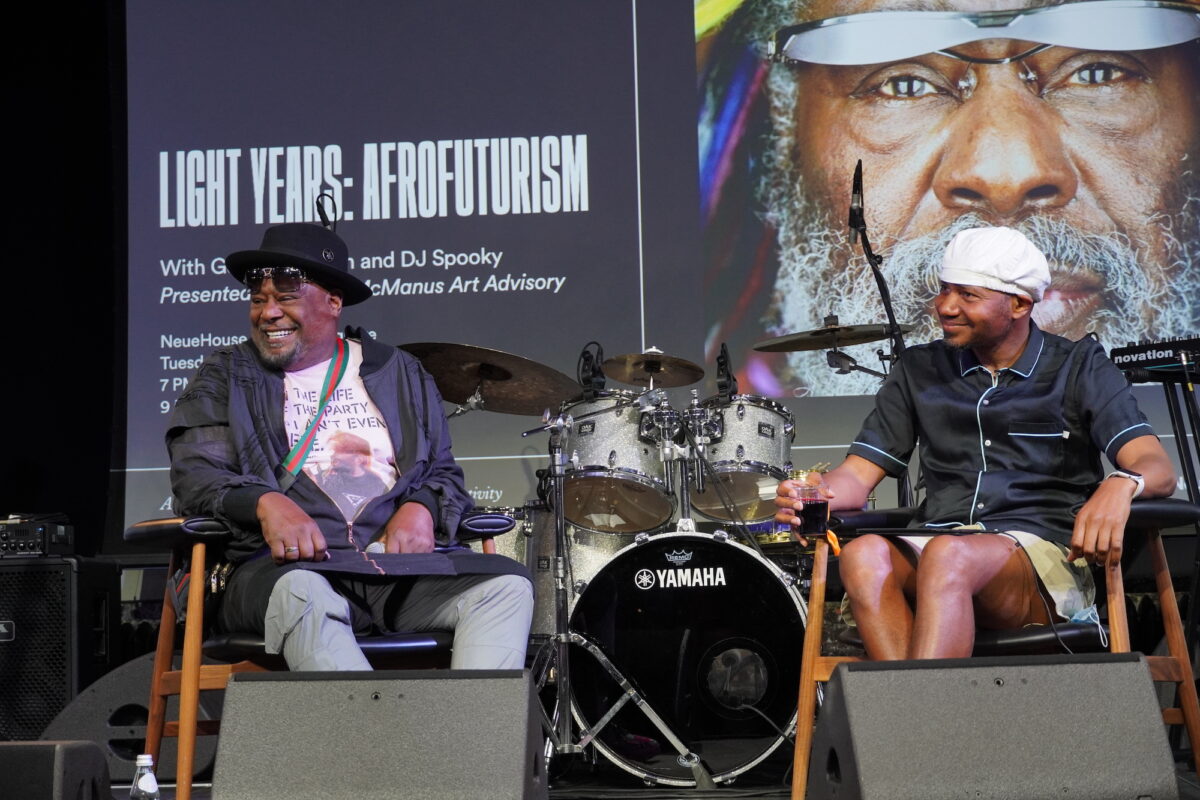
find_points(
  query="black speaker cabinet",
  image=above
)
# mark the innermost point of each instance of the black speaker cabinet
(67, 770)
(58, 623)
(113, 712)
(1084, 727)
(436, 735)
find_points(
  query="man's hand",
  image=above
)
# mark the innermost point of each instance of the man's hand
(410, 530)
(787, 500)
(291, 534)
(1100, 525)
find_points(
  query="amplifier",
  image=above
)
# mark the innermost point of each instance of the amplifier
(58, 620)
(22, 538)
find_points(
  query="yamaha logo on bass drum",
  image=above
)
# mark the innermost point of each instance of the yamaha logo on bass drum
(680, 577)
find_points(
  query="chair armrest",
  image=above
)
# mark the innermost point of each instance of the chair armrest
(1161, 512)
(847, 522)
(168, 532)
(483, 525)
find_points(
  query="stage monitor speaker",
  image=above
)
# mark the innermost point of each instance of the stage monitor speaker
(113, 712)
(1084, 727)
(53, 771)
(436, 735)
(58, 626)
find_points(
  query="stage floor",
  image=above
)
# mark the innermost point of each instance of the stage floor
(605, 781)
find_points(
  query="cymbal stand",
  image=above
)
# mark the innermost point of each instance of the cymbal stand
(472, 403)
(559, 729)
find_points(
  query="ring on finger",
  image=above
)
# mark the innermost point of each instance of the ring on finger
(291, 549)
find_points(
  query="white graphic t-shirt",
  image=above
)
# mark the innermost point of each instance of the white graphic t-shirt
(351, 457)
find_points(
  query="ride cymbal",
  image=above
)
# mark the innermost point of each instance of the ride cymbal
(827, 338)
(507, 383)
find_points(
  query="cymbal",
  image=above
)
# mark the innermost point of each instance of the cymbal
(638, 369)
(508, 384)
(826, 338)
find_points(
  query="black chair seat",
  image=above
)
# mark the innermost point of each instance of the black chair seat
(1035, 639)
(235, 646)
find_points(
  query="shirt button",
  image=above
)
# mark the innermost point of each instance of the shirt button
(987, 442)
(987, 402)
(979, 506)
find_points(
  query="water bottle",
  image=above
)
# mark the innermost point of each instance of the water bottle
(145, 785)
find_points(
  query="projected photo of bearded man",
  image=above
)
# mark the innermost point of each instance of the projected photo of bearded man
(1078, 124)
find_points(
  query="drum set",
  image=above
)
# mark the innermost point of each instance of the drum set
(673, 652)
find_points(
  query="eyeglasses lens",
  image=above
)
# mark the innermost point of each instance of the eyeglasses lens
(284, 279)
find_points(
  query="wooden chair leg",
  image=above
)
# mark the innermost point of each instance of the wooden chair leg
(1177, 644)
(807, 705)
(189, 686)
(164, 652)
(1118, 620)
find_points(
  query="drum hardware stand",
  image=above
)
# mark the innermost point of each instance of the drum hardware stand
(844, 363)
(686, 757)
(472, 403)
(559, 729)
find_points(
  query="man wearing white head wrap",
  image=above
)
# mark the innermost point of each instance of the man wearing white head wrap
(1011, 423)
(996, 258)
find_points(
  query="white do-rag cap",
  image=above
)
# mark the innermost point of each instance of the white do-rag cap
(996, 258)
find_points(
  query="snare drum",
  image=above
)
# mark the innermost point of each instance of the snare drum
(750, 452)
(711, 635)
(614, 477)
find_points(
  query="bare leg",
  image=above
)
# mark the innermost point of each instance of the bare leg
(961, 578)
(878, 574)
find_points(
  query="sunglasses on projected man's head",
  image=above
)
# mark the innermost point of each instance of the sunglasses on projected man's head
(875, 37)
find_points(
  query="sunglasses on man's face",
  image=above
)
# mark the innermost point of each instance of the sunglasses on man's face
(284, 279)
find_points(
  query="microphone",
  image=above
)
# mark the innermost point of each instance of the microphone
(856, 205)
(727, 385)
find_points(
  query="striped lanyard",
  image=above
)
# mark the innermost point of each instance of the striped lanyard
(333, 376)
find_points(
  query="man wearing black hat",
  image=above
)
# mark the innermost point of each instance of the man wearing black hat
(257, 428)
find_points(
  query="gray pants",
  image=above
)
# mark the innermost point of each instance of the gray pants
(311, 624)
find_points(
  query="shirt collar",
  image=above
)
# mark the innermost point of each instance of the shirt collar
(1024, 365)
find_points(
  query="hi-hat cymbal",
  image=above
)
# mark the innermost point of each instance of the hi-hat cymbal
(829, 337)
(507, 383)
(639, 369)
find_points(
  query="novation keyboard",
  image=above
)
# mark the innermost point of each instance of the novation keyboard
(1158, 360)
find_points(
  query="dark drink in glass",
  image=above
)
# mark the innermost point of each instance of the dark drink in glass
(814, 517)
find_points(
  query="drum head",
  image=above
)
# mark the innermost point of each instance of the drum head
(752, 493)
(612, 502)
(702, 628)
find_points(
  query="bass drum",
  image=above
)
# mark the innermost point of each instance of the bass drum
(710, 634)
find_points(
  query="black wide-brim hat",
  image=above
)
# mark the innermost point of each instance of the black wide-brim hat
(319, 251)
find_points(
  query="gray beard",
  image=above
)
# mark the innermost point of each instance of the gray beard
(814, 280)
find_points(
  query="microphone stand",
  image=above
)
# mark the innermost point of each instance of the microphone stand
(858, 228)
(895, 335)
